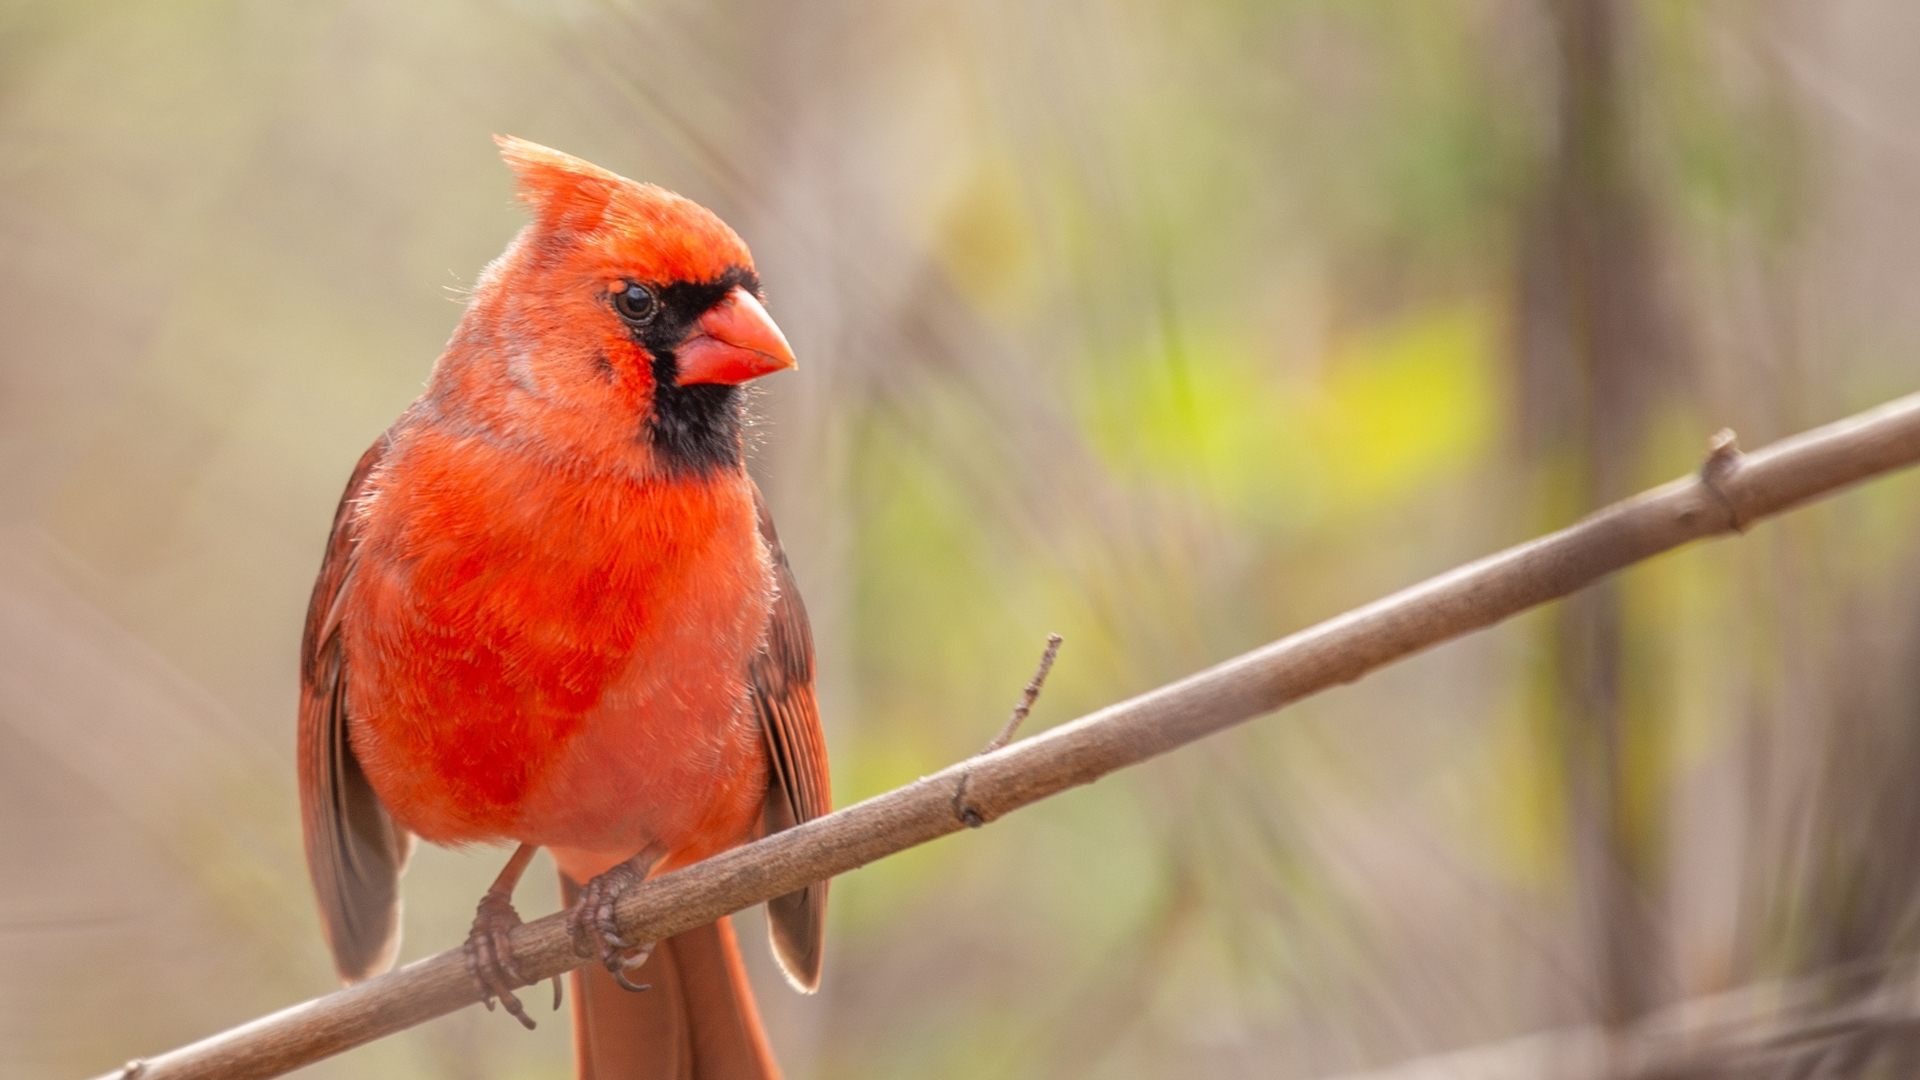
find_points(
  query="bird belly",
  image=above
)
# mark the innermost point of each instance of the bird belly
(670, 759)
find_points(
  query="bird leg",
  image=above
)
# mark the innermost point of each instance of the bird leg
(591, 921)
(489, 952)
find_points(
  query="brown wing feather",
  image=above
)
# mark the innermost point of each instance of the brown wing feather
(782, 677)
(355, 852)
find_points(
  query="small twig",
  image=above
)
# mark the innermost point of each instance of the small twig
(962, 809)
(1027, 696)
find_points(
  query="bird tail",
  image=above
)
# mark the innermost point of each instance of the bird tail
(697, 1022)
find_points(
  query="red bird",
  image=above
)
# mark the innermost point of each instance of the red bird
(553, 611)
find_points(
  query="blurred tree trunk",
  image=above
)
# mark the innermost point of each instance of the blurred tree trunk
(1593, 350)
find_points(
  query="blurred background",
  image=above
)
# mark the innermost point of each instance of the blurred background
(1170, 327)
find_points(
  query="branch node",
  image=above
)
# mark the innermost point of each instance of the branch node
(1723, 460)
(1027, 696)
(963, 810)
(133, 1068)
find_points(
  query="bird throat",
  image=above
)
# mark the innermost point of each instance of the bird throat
(694, 430)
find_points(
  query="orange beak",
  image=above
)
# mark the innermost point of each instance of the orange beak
(734, 341)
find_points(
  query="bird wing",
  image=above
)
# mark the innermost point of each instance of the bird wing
(355, 852)
(782, 678)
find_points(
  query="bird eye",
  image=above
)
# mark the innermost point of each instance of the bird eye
(635, 303)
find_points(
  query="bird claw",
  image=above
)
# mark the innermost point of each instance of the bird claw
(628, 984)
(489, 955)
(627, 962)
(594, 932)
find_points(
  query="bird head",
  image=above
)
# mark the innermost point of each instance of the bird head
(620, 323)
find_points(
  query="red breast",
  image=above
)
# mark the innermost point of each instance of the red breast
(559, 661)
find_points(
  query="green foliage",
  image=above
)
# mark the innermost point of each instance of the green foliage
(1392, 412)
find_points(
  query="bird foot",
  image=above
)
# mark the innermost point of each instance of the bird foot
(592, 927)
(490, 955)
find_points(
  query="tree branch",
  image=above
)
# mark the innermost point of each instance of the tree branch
(1736, 491)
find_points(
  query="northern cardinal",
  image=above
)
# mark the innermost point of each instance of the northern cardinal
(553, 611)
